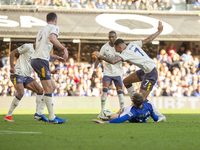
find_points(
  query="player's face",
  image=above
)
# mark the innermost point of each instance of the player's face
(112, 37)
(118, 48)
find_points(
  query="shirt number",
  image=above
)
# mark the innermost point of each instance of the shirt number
(137, 50)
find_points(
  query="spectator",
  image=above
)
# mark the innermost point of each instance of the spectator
(100, 4)
(181, 50)
(171, 47)
(197, 5)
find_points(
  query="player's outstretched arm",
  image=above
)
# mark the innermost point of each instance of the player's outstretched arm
(112, 60)
(12, 57)
(54, 41)
(99, 121)
(153, 36)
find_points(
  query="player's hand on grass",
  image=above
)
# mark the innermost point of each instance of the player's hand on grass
(98, 121)
(12, 70)
(96, 53)
(160, 26)
(55, 71)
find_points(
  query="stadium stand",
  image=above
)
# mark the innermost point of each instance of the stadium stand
(176, 78)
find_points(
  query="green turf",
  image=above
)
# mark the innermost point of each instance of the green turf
(180, 132)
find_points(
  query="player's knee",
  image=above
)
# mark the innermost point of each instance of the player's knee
(120, 91)
(40, 91)
(20, 94)
(125, 81)
(128, 86)
(105, 89)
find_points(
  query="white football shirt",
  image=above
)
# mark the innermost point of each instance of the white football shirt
(111, 69)
(23, 65)
(138, 57)
(43, 44)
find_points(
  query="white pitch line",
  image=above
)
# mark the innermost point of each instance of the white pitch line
(17, 132)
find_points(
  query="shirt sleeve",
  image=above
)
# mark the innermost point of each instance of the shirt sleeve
(124, 55)
(23, 49)
(139, 43)
(55, 30)
(102, 51)
(153, 115)
(119, 120)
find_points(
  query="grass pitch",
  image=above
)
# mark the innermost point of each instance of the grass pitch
(180, 132)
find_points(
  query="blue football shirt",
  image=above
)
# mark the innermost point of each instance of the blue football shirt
(137, 115)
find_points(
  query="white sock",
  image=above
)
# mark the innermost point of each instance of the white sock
(38, 100)
(131, 91)
(121, 100)
(103, 100)
(49, 104)
(41, 106)
(155, 109)
(13, 105)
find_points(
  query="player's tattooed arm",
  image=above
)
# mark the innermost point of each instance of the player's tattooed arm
(112, 60)
(153, 36)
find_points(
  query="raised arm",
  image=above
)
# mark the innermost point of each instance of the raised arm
(153, 36)
(54, 41)
(13, 54)
(112, 60)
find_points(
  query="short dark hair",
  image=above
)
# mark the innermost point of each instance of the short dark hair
(51, 16)
(118, 41)
(112, 32)
(137, 99)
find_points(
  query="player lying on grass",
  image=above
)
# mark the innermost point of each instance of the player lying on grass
(138, 112)
(134, 53)
(20, 77)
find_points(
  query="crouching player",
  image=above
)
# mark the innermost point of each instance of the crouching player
(139, 112)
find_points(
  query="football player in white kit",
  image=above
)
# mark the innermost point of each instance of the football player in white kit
(112, 72)
(20, 77)
(46, 38)
(134, 53)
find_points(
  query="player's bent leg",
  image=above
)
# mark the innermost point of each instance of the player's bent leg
(120, 94)
(132, 78)
(106, 84)
(47, 86)
(20, 92)
(144, 94)
(53, 85)
(40, 104)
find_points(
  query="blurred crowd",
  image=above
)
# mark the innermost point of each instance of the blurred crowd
(176, 69)
(101, 4)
